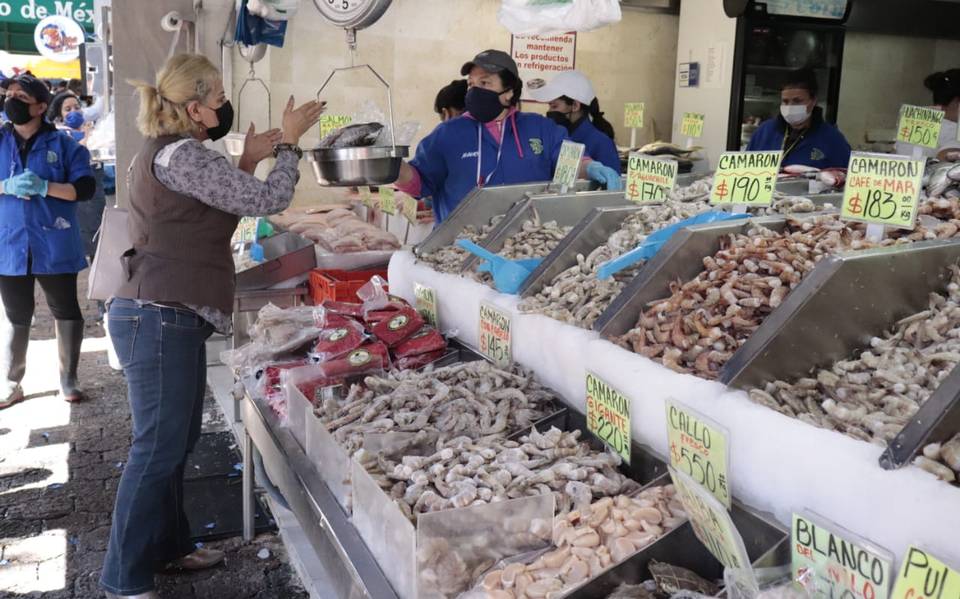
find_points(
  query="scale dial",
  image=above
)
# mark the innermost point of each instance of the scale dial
(352, 14)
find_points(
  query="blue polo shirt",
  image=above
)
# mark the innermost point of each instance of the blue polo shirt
(46, 228)
(447, 159)
(822, 146)
(599, 146)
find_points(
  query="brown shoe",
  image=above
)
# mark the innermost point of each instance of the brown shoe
(14, 397)
(201, 559)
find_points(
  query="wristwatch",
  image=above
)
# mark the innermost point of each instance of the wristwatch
(292, 147)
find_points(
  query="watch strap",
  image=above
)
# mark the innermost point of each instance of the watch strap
(292, 147)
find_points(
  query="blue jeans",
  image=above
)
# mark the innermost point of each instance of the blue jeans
(163, 354)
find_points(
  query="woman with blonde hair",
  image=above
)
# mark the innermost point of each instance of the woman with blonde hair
(185, 203)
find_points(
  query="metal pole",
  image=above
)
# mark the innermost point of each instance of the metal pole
(248, 485)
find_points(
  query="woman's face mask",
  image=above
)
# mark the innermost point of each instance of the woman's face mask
(484, 104)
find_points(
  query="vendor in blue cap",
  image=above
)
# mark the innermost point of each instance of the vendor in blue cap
(493, 143)
(44, 173)
(574, 106)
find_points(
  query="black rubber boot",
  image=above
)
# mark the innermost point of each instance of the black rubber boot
(69, 339)
(13, 362)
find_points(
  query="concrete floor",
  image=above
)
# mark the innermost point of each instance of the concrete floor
(59, 468)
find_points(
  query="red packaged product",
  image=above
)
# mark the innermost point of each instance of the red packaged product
(271, 375)
(339, 339)
(420, 360)
(389, 311)
(343, 308)
(426, 340)
(379, 349)
(363, 360)
(399, 327)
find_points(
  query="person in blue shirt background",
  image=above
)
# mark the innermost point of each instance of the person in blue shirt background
(574, 106)
(493, 143)
(799, 130)
(44, 173)
(66, 113)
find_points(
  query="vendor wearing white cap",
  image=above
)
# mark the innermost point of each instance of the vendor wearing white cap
(574, 105)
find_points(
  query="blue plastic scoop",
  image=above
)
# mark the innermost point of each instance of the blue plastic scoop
(256, 250)
(508, 275)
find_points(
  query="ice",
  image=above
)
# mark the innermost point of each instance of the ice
(778, 464)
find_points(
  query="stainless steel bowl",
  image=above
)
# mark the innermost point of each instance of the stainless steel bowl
(345, 167)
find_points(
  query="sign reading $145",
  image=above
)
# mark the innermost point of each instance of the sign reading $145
(495, 335)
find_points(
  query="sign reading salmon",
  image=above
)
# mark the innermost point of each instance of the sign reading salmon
(882, 189)
(745, 178)
(608, 415)
(494, 341)
(426, 303)
(649, 179)
(331, 122)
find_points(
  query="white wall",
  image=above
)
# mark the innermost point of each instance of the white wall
(705, 33)
(420, 45)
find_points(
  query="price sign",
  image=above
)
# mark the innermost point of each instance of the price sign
(388, 200)
(408, 207)
(745, 178)
(691, 125)
(649, 179)
(608, 415)
(246, 230)
(844, 564)
(923, 576)
(331, 122)
(568, 165)
(698, 447)
(495, 342)
(367, 197)
(919, 126)
(633, 115)
(711, 523)
(882, 189)
(426, 303)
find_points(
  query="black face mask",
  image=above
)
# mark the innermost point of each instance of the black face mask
(17, 111)
(224, 122)
(560, 118)
(484, 104)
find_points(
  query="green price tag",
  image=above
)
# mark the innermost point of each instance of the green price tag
(408, 206)
(923, 576)
(745, 178)
(388, 200)
(649, 179)
(698, 447)
(426, 303)
(608, 415)
(246, 230)
(495, 341)
(844, 564)
(633, 115)
(366, 197)
(568, 165)
(882, 189)
(711, 522)
(331, 122)
(691, 125)
(919, 126)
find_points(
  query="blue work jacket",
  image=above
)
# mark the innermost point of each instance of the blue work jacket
(599, 147)
(822, 146)
(447, 159)
(45, 228)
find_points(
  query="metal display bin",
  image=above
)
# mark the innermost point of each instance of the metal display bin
(937, 420)
(246, 304)
(286, 255)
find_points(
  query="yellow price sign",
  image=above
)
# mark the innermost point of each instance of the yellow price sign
(388, 200)
(882, 189)
(366, 197)
(246, 230)
(568, 165)
(920, 126)
(922, 576)
(711, 522)
(745, 178)
(633, 115)
(425, 299)
(408, 207)
(698, 447)
(495, 342)
(691, 125)
(608, 415)
(649, 179)
(844, 564)
(331, 122)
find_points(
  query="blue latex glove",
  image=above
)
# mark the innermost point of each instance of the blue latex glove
(599, 172)
(25, 184)
(652, 244)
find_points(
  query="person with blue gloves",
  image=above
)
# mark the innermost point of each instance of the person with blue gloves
(574, 106)
(44, 173)
(493, 143)
(799, 130)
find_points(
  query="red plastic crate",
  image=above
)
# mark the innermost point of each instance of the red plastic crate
(339, 285)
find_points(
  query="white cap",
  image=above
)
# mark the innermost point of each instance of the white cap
(572, 84)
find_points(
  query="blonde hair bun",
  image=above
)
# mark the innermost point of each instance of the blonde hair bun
(163, 107)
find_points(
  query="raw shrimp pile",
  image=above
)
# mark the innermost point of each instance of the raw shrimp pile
(450, 258)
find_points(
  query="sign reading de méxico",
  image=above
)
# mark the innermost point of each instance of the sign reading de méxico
(34, 11)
